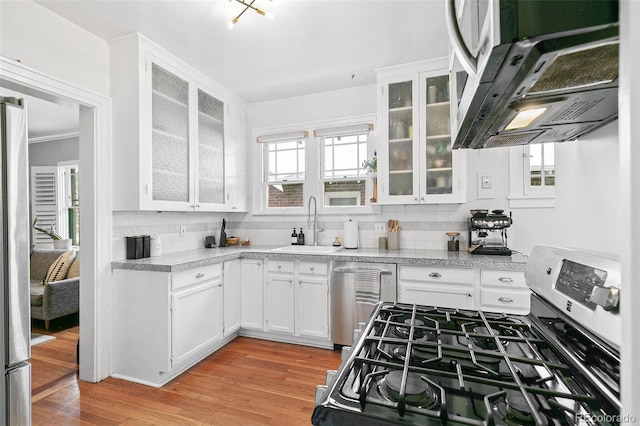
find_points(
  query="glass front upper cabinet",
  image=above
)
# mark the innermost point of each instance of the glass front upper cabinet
(438, 173)
(416, 162)
(401, 168)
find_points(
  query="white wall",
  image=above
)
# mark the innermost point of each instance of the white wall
(586, 203)
(50, 153)
(42, 40)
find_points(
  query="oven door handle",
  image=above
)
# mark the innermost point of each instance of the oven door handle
(468, 61)
(345, 270)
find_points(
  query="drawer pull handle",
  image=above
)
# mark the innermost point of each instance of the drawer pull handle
(505, 299)
(505, 279)
(200, 275)
(435, 275)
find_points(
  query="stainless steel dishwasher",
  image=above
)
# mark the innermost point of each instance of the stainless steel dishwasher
(355, 287)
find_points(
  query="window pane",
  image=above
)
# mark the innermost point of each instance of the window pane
(535, 164)
(346, 157)
(345, 193)
(285, 195)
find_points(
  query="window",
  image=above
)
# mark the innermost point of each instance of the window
(344, 180)
(322, 160)
(541, 172)
(533, 175)
(71, 202)
(284, 165)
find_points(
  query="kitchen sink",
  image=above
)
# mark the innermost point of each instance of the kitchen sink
(306, 249)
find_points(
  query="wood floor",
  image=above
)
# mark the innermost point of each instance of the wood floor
(248, 382)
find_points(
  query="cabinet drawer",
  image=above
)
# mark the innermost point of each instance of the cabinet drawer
(195, 276)
(504, 300)
(313, 268)
(508, 279)
(283, 266)
(436, 275)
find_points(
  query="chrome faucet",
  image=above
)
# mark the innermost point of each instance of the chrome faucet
(313, 224)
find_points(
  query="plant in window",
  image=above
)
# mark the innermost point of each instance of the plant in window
(371, 165)
(50, 232)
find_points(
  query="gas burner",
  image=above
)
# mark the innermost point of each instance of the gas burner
(488, 341)
(514, 409)
(403, 331)
(418, 354)
(417, 392)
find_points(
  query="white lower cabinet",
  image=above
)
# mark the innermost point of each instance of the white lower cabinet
(296, 298)
(251, 296)
(312, 295)
(444, 287)
(164, 323)
(504, 291)
(196, 320)
(232, 295)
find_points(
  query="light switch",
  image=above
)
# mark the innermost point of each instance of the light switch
(486, 182)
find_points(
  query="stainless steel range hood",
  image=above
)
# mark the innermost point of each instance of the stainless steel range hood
(548, 88)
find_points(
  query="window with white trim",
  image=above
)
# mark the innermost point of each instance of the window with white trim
(322, 160)
(532, 175)
(343, 151)
(284, 164)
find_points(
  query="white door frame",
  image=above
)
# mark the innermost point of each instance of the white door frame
(96, 218)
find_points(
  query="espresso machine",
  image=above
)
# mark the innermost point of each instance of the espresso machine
(488, 232)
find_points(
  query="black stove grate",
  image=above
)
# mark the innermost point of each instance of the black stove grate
(462, 367)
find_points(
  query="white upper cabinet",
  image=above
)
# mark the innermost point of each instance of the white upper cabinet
(415, 161)
(172, 130)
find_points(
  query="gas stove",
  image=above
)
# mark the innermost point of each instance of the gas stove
(426, 365)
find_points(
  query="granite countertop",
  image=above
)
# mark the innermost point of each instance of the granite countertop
(179, 261)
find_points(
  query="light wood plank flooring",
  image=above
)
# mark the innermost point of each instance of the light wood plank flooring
(248, 382)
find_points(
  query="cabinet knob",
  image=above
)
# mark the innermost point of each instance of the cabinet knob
(197, 205)
(470, 294)
(505, 299)
(200, 275)
(415, 199)
(290, 281)
(421, 198)
(300, 282)
(505, 279)
(312, 268)
(279, 266)
(435, 275)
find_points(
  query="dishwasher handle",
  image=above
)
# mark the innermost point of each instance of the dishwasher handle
(346, 270)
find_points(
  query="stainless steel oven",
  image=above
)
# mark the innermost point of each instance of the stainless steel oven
(426, 365)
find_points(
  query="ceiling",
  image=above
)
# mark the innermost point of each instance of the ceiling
(310, 46)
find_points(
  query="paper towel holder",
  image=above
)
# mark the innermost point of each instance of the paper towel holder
(351, 238)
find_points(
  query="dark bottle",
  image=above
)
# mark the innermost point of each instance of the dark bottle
(294, 238)
(300, 238)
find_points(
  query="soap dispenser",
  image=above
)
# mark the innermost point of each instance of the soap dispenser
(300, 238)
(294, 238)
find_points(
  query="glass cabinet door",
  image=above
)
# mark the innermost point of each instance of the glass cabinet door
(210, 149)
(401, 170)
(436, 138)
(170, 136)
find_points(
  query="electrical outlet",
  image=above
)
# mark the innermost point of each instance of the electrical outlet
(379, 227)
(486, 182)
(183, 230)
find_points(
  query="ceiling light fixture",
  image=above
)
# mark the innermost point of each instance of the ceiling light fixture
(248, 6)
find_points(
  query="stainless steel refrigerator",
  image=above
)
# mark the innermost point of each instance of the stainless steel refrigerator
(15, 322)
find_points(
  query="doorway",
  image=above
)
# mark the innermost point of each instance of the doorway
(95, 222)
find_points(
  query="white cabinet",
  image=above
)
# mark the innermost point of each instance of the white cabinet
(188, 310)
(504, 291)
(312, 295)
(163, 323)
(279, 296)
(251, 296)
(415, 161)
(232, 295)
(436, 286)
(172, 127)
(296, 298)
